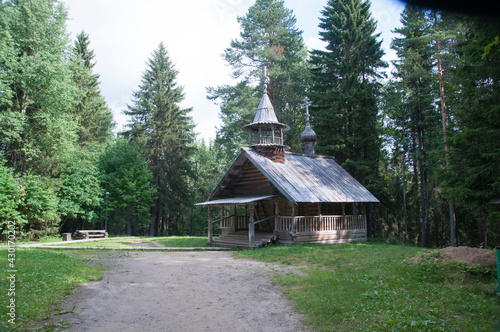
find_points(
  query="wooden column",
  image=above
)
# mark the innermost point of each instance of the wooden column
(210, 225)
(365, 222)
(321, 227)
(343, 217)
(251, 228)
(246, 214)
(277, 213)
(235, 220)
(222, 222)
(294, 227)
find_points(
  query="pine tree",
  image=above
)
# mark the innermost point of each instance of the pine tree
(268, 38)
(345, 89)
(164, 131)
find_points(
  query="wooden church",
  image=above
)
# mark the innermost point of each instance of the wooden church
(271, 194)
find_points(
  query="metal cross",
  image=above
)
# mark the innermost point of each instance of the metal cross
(265, 77)
(306, 104)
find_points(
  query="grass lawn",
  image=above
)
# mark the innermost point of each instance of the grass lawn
(46, 239)
(371, 287)
(42, 279)
(144, 242)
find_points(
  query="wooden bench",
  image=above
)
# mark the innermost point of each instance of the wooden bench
(89, 234)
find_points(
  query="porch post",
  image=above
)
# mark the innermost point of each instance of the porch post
(293, 218)
(344, 226)
(246, 215)
(210, 225)
(251, 228)
(365, 222)
(235, 220)
(223, 222)
(321, 227)
(277, 213)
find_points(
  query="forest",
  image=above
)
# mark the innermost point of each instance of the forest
(422, 133)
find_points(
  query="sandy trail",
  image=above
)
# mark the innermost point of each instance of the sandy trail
(182, 291)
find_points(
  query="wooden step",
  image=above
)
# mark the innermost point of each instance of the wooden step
(232, 240)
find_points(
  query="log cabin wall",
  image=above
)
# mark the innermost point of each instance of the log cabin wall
(250, 182)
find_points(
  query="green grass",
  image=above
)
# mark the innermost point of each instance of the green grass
(45, 239)
(145, 242)
(43, 278)
(183, 241)
(371, 287)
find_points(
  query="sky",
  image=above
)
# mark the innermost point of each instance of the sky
(124, 33)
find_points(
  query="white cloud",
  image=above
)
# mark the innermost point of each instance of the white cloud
(124, 33)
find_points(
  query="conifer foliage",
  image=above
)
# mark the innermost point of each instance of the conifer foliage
(163, 130)
(95, 118)
(345, 87)
(268, 37)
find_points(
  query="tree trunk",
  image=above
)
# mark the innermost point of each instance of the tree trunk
(481, 229)
(444, 117)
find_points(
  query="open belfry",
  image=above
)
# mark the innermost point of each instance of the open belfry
(270, 194)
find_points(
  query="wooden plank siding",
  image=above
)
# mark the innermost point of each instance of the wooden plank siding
(307, 199)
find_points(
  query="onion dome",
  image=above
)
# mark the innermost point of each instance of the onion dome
(308, 136)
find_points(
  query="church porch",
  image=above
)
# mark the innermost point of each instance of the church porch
(246, 231)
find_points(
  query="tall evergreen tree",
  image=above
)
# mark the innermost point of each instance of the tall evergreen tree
(94, 116)
(474, 175)
(419, 115)
(164, 131)
(268, 37)
(346, 89)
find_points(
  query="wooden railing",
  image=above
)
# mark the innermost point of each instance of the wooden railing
(301, 224)
(227, 222)
(265, 140)
(242, 222)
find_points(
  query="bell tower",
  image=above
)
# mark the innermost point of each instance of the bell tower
(266, 132)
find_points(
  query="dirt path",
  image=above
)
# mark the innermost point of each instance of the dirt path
(182, 291)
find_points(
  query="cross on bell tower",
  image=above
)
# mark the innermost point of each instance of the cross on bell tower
(308, 136)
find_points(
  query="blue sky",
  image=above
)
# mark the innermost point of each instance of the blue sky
(124, 33)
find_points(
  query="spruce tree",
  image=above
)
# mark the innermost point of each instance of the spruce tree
(474, 175)
(268, 37)
(164, 131)
(345, 88)
(95, 118)
(414, 75)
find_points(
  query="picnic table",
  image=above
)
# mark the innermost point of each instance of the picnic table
(87, 234)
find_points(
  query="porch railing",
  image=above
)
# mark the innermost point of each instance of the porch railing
(226, 222)
(301, 224)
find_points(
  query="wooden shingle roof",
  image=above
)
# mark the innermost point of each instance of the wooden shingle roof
(304, 179)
